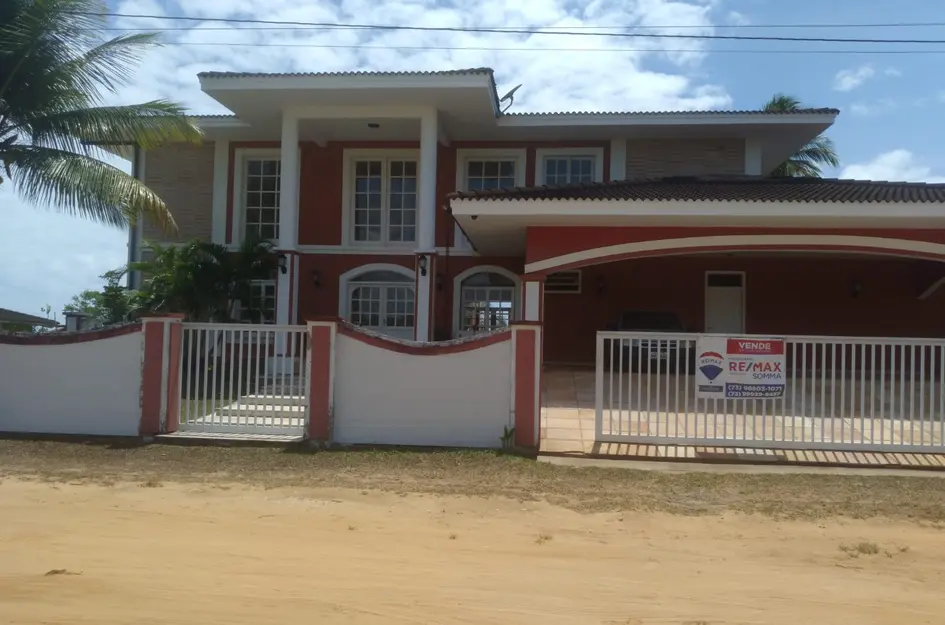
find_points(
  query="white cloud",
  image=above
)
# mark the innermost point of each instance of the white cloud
(76, 252)
(897, 165)
(865, 109)
(850, 79)
(738, 19)
(892, 72)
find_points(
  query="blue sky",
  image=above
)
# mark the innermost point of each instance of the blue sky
(891, 104)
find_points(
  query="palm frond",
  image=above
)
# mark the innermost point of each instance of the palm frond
(148, 125)
(109, 64)
(80, 185)
(781, 103)
(46, 33)
(806, 162)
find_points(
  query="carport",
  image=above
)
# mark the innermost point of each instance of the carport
(846, 274)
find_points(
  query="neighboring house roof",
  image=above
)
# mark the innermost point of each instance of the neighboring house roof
(12, 316)
(726, 188)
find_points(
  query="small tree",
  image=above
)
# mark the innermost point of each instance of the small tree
(113, 304)
(205, 281)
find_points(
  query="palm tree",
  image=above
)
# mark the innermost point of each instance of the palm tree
(807, 161)
(205, 280)
(56, 69)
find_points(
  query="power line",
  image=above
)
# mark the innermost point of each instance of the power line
(521, 31)
(553, 28)
(520, 49)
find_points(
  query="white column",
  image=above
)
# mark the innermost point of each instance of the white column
(288, 210)
(533, 296)
(752, 157)
(426, 232)
(618, 159)
(429, 133)
(221, 168)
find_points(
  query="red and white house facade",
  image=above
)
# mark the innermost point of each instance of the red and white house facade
(411, 205)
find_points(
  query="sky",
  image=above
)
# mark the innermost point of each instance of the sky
(891, 103)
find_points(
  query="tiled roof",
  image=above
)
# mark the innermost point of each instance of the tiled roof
(450, 72)
(728, 188)
(803, 111)
(12, 316)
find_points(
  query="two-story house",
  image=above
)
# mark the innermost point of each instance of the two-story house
(409, 203)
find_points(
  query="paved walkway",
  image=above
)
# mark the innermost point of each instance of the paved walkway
(568, 411)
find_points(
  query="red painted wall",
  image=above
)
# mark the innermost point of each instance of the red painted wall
(786, 295)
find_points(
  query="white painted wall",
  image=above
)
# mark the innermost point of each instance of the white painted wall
(388, 398)
(89, 388)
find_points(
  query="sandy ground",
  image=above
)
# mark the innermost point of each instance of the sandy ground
(214, 553)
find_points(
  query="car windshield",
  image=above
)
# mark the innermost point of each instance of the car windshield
(645, 320)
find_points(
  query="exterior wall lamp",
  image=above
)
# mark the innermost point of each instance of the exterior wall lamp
(283, 263)
(422, 262)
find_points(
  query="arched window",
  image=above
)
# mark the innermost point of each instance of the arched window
(382, 300)
(487, 302)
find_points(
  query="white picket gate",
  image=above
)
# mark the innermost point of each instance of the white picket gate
(841, 393)
(244, 379)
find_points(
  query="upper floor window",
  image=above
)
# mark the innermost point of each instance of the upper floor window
(478, 170)
(560, 166)
(261, 185)
(482, 174)
(384, 200)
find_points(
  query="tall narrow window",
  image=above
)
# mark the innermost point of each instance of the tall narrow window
(385, 201)
(382, 301)
(488, 301)
(261, 198)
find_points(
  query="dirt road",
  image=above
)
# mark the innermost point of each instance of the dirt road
(181, 553)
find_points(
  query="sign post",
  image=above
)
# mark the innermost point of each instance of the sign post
(739, 368)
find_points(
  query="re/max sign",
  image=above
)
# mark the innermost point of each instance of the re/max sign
(747, 366)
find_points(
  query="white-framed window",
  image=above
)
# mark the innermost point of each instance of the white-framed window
(560, 166)
(563, 282)
(261, 186)
(261, 307)
(380, 298)
(481, 169)
(486, 300)
(382, 196)
(256, 187)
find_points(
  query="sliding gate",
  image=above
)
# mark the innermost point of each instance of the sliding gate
(841, 393)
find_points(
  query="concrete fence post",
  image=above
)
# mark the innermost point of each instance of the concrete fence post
(526, 390)
(160, 374)
(321, 382)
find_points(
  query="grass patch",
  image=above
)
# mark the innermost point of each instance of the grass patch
(542, 538)
(481, 474)
(860, 549)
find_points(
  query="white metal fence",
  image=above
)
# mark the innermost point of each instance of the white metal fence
(244, 378)
(841, 393)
